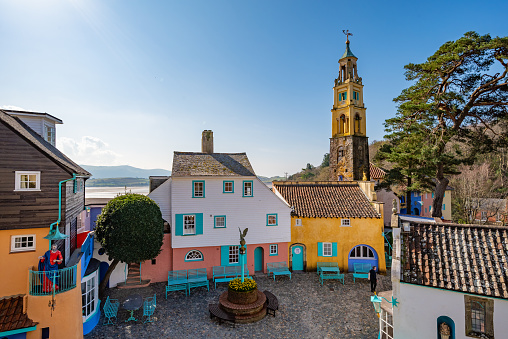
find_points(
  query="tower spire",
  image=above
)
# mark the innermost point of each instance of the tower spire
(346, 32)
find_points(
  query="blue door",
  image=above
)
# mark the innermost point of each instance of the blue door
(297, 254)
(258, 259)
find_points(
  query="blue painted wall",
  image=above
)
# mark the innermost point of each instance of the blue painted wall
(371, 261)
(15, 336)
(91, 322)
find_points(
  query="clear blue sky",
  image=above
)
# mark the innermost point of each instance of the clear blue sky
(134, 81)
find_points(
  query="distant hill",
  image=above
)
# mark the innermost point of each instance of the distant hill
(269, 180)
(125, 171)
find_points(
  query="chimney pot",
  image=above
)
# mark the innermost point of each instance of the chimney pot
(207, 141)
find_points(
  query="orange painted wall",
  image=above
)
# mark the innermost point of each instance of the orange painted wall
(66, 321)
(163, 263)
(16, 265)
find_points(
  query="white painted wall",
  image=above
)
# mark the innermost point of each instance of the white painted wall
(416, 315)
(35, 123)
(118, 274)
(240, 212)
(161, 195)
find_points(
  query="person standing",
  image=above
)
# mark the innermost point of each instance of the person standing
(373, 279)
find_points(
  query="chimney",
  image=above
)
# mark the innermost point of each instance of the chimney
(207, 141)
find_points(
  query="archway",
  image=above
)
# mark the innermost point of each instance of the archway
(362, 254)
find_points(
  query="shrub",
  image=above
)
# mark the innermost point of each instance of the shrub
(247, 285)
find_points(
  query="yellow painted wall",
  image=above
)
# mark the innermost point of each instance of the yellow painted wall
(363, 231)
(67, 319)
(14, 266)
(349, 108)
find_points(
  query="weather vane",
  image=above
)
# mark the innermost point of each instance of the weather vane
(346, 32)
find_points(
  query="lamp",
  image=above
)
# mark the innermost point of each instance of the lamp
(376, 302)
(55, 234)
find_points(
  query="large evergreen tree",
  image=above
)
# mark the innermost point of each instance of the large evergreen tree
(450, 112)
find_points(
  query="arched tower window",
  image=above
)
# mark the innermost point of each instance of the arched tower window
(194, 255)
(357, 123)
(342, 124)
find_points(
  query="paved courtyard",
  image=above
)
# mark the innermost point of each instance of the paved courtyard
(306, 310)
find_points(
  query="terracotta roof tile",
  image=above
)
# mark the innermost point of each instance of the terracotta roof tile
(376, 173)
(326, 199)
(464, 258)
(12, 316)
(217, 164)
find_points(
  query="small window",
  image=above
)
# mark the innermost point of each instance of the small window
(271, 220)
(49, 134)
(20, 243)
(298, 222)
(89, 295)
(479, 317)
(194, 255)
(189, 224)
(229, 187)
(327, 249)
(78, 185)
(27, 181)
(198, 189)
(247, 189)
(345, 222)
(274, 249)
(233, 254)
(219, 221)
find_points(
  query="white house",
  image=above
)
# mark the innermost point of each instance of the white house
(207, 199)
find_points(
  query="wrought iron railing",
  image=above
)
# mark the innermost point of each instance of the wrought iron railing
(49, 282)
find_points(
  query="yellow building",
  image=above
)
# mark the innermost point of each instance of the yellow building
(334, 222)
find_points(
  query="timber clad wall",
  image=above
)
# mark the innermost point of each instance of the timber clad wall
(27, 209)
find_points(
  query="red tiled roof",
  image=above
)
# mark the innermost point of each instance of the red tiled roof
(464, 258)
(12, 316)
(326, 199)
(376, 172)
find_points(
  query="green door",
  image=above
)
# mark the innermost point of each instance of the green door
(297, 254)
(258, 259)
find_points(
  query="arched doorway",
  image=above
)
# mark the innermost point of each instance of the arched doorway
(297, 260)
(258, 259)
(362, 254)
(416, 211)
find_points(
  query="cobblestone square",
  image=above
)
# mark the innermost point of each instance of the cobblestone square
(306, 310)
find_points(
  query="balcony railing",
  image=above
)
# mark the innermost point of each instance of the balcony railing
(58, 281)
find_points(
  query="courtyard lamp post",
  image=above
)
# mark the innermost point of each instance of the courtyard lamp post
(376, 301)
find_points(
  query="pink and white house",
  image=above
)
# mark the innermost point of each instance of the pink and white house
(208, 197)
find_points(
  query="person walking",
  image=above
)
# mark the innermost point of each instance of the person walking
(373, 279)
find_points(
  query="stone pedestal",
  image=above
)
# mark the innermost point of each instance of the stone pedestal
(246, 308)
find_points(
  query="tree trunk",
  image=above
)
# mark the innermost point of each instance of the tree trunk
(441, 185)
(104, 282)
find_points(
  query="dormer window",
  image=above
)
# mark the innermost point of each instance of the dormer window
(49, 134)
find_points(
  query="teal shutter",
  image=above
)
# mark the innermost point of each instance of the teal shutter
(179, 224)
(334, 249)
(444, 207)
(320, 249)
(345, 95)
(224, 255)
(199, 223)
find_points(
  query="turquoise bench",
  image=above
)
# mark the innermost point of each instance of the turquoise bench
(177, 281)
(228, 273)
(361, 271)
(196, 278)
(149, 306)
(325, 264)
(330, 272)
(278, 268)
(111, 309)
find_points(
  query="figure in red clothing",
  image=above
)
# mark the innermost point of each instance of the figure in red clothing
(49, 264)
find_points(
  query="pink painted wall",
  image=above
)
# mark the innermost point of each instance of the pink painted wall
(211, 256)
(426, 203)
(163, 263)
(282, 256)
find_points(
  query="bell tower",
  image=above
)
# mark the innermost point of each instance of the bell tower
(349, 145)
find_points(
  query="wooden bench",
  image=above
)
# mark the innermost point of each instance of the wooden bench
(278, 268)
(217, 313)
(111, 309)
(325, 264)
(149, 306)
(196, 278)
(228, 273)
(177, 281)
(272, 303)
(361, 271)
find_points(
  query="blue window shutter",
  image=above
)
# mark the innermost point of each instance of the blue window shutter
(345, 95)
(199, 223)
(224, 255)
(179, 224)
(334, 249)
(320, 249)
(444, 207)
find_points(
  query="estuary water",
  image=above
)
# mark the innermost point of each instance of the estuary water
(111, 192)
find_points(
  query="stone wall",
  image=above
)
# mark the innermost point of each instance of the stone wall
(349, 158)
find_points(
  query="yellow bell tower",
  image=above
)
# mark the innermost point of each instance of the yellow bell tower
(349, 147)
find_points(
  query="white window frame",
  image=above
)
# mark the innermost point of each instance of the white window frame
(247, 192)
(198, 258)
(49, 137)
(274, 249)
(298, 222)
(216, 218)
(360, 248)
(198, 193)
(234, 254)
(27, 241)
(18, 174)
(345, 223)
(327, 248)
(91, 294)
(190, 221)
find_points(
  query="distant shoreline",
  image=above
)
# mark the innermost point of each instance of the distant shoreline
(111, 192)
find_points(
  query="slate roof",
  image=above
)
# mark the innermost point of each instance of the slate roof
(211, 164)
(376, 172)
(20, 128)
(464, 258)
(12, 316)
(326, 199)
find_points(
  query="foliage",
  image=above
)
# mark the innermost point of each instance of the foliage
(326, 160)
(312, 173)
(247, 285)
(459, 96)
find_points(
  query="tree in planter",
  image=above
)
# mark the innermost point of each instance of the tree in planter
(458, 97)
(130, 229)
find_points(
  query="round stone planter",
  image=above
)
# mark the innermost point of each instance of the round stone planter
(242, 298)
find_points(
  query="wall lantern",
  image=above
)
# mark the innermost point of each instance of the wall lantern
(376, 301)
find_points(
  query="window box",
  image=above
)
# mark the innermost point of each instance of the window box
(247, 188)
(23, 243)
(198, 189)
(274, 249)
(271, 219)
(219, 221)
(228, 187)
(27, 181)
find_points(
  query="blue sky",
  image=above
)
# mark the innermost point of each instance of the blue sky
(134, 81)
